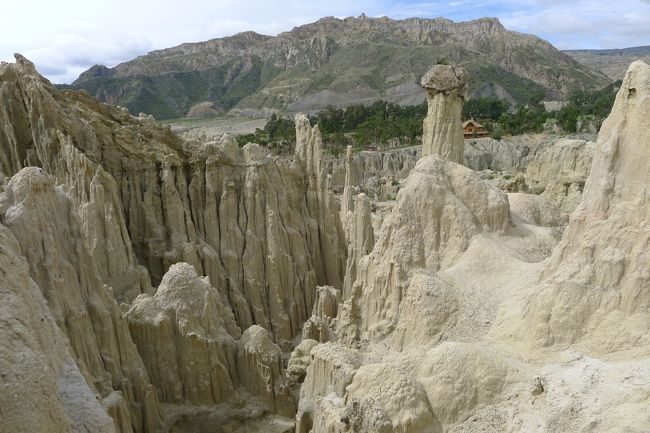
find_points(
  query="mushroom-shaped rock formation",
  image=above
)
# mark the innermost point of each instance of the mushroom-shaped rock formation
(443, 130)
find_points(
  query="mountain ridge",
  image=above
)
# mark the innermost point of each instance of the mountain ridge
(613, 62)
(338, 62)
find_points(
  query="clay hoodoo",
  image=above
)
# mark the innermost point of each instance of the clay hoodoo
(442, 129)
(441, 207)
(346, 201)
(455, 295)
(195, 352)
(596, 285)
(186, 335)
(361, 240)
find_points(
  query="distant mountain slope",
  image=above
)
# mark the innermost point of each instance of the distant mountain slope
(339, 62)
(612, 63)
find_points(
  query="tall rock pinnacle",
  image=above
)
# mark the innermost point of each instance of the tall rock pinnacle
(442, 130)
(599, 273)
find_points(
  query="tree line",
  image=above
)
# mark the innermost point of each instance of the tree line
(376, 124)
(357, 125)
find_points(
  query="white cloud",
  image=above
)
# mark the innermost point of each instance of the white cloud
(63, 36)
(585, 23)
(66, 37)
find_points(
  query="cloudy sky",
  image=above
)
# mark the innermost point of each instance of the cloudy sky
(65, 37)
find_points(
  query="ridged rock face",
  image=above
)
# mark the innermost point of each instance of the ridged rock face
(326, 226)
(265, 231)
(372, 172)
(320, 326)
(261, 372)
(74, 138)
(44, 221)
(441, 207)
(597, 281)
(375, 173)
(442, 132)
(186, 335)
(456, 318)
(346, 201)
(331, 369)
(254, 224)
(41, 387)
(361, 240)
(460, 321)
(559, 172)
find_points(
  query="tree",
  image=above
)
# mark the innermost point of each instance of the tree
(484, 108)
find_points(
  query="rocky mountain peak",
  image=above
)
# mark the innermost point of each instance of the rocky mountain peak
(339, 62)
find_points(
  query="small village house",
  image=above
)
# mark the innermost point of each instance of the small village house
(473, 129)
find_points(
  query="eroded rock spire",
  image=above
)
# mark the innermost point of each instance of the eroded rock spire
(442, 130)
(347, 203)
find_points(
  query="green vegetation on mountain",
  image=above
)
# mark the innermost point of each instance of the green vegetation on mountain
(172, 94)
(484, 108)
(340, 63)
(594, 106)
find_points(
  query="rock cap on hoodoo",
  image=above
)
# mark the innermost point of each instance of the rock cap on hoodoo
(445, 78)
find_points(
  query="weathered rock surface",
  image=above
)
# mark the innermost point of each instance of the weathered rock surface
(559, 172)
(400, 396)
(331, 369)
(44, 221)
(441, 207)
(361, 240)
(472, 336)
(536, 210)
(41, 387)
(373, 173)
(378, 173)
(346, 200)
(265, 231)
(187, 335)
(145, 196)
(299, 360)
(442, 132)
(596, 285)
(261, 372)
(70, 136)
(467, 313)
(319, 326)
